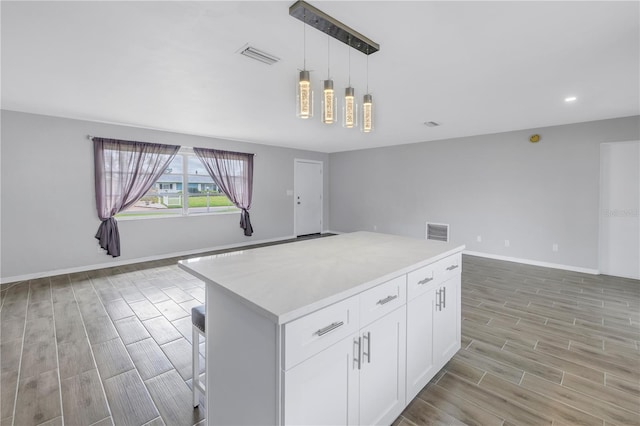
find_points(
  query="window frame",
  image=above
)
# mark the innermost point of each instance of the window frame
(186, 153)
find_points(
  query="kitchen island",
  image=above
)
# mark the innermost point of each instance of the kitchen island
(338, 330)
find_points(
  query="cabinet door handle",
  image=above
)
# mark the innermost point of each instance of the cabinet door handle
(330, 327)
(452, 267)
(426, 280)
(387, 299)
(367, 337)
(356, 354)
(438, 300)
(444, 297)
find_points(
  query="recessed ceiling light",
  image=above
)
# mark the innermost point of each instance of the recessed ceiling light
(570, 99)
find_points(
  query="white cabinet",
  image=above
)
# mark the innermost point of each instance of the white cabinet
(420, 365)
(382, 373)
(433, 320)
(323, 390)
(362, 360)
(360, 379)
(446, 321)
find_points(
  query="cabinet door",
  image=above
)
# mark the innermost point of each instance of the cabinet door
(382, 376)
(446, 331)
(323, 390)
(420, 365)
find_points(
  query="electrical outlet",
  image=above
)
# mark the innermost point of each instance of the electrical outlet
(554, 247)
(507, 243)
(479, 238)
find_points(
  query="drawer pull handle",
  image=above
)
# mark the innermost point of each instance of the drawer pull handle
(444, 297)
(367, 336)
(452, 267)
(387, 299)
(426, 280)
(330, 327)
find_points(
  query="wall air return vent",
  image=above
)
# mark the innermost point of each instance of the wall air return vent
(438, 231)
(258, 55)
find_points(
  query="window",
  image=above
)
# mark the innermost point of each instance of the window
(185, 188)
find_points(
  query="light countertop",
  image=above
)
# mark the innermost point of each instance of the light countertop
(286, 281)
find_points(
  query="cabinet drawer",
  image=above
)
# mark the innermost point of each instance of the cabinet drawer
(311, 334)
(421, 280)
(382, 299)
(450, 266)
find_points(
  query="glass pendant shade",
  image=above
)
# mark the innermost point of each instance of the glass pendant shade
(304, 96)
(367, 113)
(328, 103)
(349, 109)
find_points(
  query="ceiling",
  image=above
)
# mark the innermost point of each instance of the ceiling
(475, 67)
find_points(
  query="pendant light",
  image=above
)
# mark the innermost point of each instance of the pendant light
(349, 105)
(328, 98)
(350, 114)
(304, 93)
(367, 106)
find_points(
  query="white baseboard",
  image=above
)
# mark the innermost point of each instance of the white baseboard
(17, 278)
(533, 262)
(328, 231)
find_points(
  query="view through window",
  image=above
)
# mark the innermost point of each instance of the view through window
(185, 188)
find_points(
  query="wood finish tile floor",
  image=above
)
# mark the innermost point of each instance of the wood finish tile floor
(539, 346)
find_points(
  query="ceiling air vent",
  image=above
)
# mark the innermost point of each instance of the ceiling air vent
(258, 55)
(437, 231)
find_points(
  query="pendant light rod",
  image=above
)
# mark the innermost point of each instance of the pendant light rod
(328, 58)
(349, 50)
(367, 73)
(329, 25)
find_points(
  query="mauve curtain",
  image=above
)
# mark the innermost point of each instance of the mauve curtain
(124, 172)
(233, 173)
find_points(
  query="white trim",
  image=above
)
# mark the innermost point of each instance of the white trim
(173, 216)
(18, 278)
(601, 208)
(329, 231)
(295, 179)
(533, 262)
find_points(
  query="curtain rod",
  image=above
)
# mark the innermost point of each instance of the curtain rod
(90, 137)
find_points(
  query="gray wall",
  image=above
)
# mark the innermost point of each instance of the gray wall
(48, 215)
(497, 186)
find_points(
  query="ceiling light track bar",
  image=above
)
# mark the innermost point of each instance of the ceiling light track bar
(329, 25)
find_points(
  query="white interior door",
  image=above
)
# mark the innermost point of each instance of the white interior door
(620, 209)
(308, 197)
